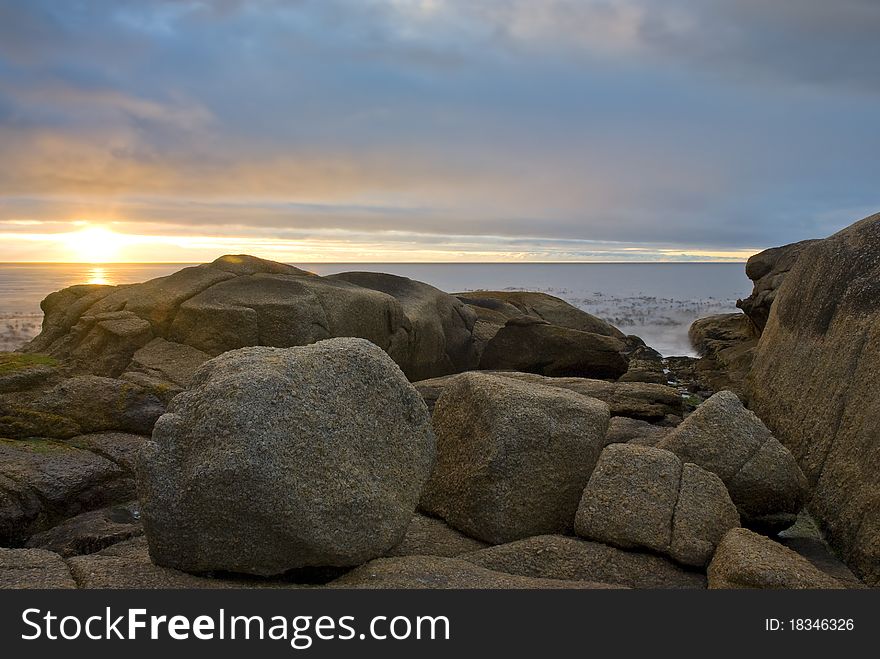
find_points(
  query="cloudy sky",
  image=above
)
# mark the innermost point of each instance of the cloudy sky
(407, 130)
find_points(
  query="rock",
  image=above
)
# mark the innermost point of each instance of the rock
(644, 497)
(174, 362)
(103, 342)
(79, 405)
(512, 458)
(164, 327)
(541, 306)
(535, 346)
(42, 482)
(118, 447)
(644, 365)
(727, 345)
(814, 382)
(622, 430)
(427, 536)
(90, 532)
(33, 568)
(319, 451)
(435, 572)
(703, 514)
(440, 331)
(805, 538)
(127, 565)
(747, 560)
(768, 270)
(761, 475)
(637, 400)
(567, 558)
(96, 404)
(714, 334)
(19, 371)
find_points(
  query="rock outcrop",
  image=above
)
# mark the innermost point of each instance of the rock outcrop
(320, 452)
(512, 458)
(536, 346)
(726, 344)
(439, 337)
(761, 475)
(815, 383)
(640, 497)
(167, 326)
(747, 560)
(42, 482)
(768, 270)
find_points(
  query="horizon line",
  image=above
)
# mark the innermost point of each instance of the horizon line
(102, 263)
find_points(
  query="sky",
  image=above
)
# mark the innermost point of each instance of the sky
(430, 130)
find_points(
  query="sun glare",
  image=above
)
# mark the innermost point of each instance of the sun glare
(94, 245)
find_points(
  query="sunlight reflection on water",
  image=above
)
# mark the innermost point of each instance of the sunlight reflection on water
(99, 276)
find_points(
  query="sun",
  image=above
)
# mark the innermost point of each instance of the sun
(94, 245)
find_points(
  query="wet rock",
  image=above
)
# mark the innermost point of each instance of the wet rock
(90, 532)
(512, 457)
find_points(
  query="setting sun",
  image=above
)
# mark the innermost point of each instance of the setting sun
(94, 245)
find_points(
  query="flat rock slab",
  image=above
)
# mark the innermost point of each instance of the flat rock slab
(92, 531)
(745, 559)
(33, 568)
(434, 572)
(636, 400)
(568, 558)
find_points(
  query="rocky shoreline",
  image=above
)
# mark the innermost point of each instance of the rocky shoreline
(245, 423)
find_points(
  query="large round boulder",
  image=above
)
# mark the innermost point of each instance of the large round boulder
(512, 457)
(278, 459)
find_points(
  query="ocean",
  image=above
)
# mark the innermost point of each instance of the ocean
(656, 301)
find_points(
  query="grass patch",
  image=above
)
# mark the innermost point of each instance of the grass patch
(10, 362)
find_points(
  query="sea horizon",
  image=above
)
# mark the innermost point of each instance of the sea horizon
(656, 301)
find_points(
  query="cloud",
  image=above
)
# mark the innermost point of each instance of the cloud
(734, 124)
